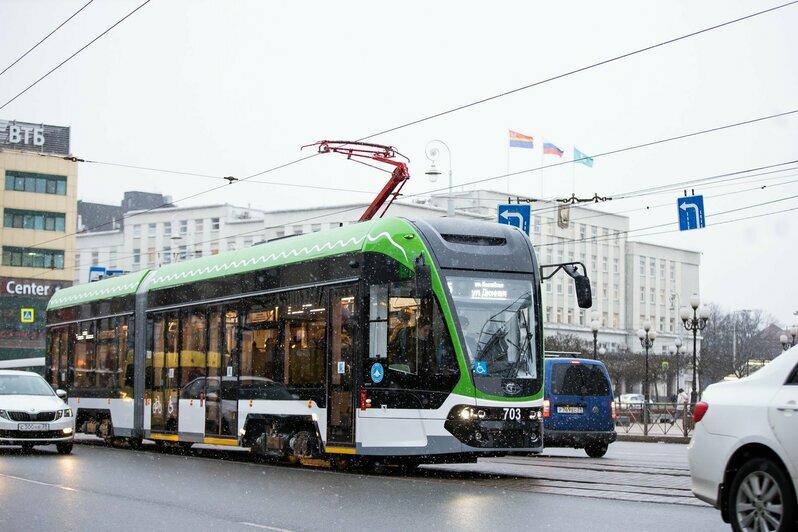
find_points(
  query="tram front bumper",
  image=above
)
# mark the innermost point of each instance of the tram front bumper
(493, 428)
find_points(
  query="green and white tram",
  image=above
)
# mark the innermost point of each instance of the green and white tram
(394, 340)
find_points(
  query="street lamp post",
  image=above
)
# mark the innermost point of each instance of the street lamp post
(594, 326)
(647, 336)
(694, 324)
(677, 349)
(432, 154)
(789, 341)
(602, 351)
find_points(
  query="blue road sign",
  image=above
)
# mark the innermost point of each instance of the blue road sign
(481, 367)
(516, 215)
(377, 372)
(691, 212)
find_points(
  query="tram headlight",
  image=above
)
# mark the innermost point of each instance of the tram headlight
(466, 413)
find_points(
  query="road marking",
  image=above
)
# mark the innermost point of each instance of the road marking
(59, 486)
(265, 527)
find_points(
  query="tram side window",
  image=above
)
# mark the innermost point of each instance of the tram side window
(83, 369)
(192, 355)
(106, 354)
(53, 355)
(305, 338)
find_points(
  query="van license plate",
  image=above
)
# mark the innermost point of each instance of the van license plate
(33, 426)
(570, 410)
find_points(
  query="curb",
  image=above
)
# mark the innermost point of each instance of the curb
(653, 438)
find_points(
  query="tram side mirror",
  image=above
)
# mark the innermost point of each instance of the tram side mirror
(61, 393)
(584, 295)
(423, 277)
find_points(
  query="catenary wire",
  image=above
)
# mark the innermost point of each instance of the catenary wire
(20, 58)
(62, 63)
(518, 89)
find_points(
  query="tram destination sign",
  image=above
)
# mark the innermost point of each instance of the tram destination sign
(39, 138)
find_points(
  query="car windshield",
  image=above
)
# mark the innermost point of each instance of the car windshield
(24, 385)
(498, 325)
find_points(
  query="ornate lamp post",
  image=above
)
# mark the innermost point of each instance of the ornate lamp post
(789, 341)
(433, 153)
(677, 349)
(647, 336)
(694, 324)
(602, 351)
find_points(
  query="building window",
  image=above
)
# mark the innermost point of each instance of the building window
(642, 294)
(297, 229)
(167, 229)
(315, 228)
(214, 224)
(151, 229)
(137, 231)
(673, 271)
(616, 292)
(652, 267)
(581, 231)
(280, 233)
(581, 317)
(616, 266)
(37, 220)
(136, 256)
(662, 269)
(33, 258)
(247, 242)
(594, 263)
(198, 225)
(570, 316)
(38, 183)
(642, 265)
(604, 290)
(214, 248)
(548, 314)
(559, 287)
(183, 227)
(652, 296)
(615, 320)
(537, 225)
(231, 245)
(77, 261)
(95, 258)
(548, 287)
(604, 262)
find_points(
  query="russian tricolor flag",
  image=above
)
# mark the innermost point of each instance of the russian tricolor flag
(519, 140)
(551, 149)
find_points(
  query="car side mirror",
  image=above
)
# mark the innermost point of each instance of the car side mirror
(61, 393)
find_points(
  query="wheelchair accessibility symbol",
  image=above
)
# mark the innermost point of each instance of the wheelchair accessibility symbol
(481, 368)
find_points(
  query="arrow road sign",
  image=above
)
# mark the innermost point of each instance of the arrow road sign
(516, 215)
(691, 212)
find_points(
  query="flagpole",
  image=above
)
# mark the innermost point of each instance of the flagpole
(542, 141)
(573, 173)
(508, 165)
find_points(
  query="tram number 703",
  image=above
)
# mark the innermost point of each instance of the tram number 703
(513, 414)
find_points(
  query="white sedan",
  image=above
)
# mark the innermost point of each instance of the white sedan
(31, 413)
(744, 450)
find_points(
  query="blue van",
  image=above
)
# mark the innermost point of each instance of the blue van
(578, 408)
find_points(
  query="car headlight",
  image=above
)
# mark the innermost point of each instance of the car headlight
(4, 415)
(67, 412)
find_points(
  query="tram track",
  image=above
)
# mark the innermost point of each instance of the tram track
(602, 478)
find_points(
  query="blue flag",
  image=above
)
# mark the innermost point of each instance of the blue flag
(580, 157)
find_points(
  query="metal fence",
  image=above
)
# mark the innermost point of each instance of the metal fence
(657, 419)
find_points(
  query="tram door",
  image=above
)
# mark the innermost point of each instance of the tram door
(340, 400)
(164, 385)
(221, 392)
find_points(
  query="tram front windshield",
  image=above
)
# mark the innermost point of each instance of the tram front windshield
(497, 319)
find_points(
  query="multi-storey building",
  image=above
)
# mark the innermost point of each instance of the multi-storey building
(38, 201)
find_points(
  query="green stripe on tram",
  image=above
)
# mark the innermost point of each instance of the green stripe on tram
(385, 236)
(117, 286)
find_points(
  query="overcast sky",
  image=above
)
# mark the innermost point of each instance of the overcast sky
(237, 87)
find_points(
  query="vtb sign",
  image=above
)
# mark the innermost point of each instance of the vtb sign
(23, 134)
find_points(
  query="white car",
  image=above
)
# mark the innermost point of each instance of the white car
(744, 450)
(31, 413)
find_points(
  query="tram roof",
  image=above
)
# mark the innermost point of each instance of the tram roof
(117, 286)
